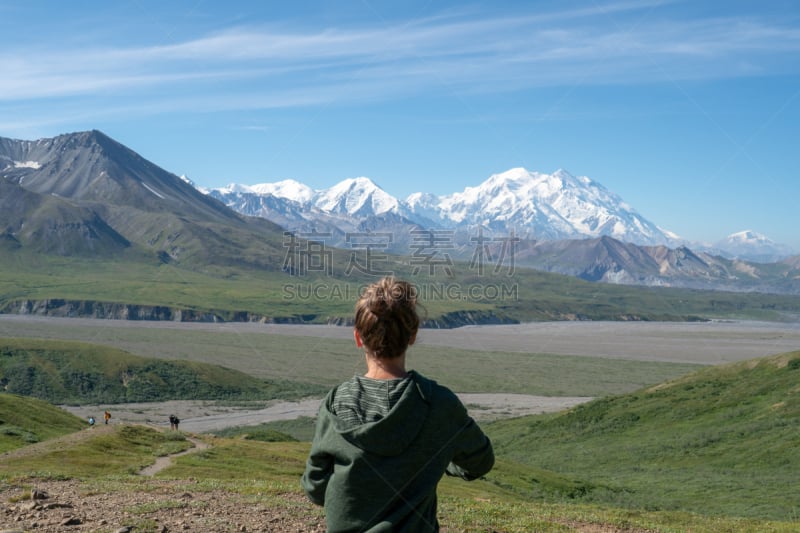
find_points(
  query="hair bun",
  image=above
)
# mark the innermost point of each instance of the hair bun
(386, 317)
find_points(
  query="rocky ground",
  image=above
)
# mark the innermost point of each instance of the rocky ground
(145, 503)
(166, 506)
(171, 506)
(159, 505)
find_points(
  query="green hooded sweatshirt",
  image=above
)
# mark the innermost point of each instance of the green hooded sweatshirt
(381, 475)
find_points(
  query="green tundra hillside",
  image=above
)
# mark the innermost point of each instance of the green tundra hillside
(720, 441)
(81, 373)
(26, 421)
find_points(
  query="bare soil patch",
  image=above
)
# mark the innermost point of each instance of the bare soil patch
(172, 505)
(165, 461)
(154, 505)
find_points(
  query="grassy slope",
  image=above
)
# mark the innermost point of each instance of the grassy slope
(72, 372)
(721, 441)
(96, 452)
(26, 421)
(106, 457)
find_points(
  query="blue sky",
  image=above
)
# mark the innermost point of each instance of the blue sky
(690, 111)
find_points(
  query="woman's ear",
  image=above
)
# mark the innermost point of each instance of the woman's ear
(412, 339)
(357, 337)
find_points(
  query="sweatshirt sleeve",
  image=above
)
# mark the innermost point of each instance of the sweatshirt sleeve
(319, 465)
(474, 455)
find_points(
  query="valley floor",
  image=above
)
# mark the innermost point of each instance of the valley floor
(714, 342)
(709, 343)
(208, 416)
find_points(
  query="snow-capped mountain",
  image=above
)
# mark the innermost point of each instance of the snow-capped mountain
(544, 207)
(752, 246)
(353, 198)
(348, 207)
(288, 189)
(529, 204)
(358, 197)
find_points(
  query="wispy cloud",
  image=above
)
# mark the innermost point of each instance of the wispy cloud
(334, 64)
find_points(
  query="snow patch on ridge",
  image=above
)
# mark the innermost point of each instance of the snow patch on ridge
(35, 165)
(152, 190)
(289, 189)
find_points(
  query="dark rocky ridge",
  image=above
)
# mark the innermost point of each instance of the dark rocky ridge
(121, 311)
(58, 307)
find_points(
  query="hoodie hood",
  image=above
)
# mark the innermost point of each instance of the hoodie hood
(392, 434)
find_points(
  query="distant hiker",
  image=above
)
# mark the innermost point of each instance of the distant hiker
(384, 440)
(106, 416)
(91, 421)
(173, 422)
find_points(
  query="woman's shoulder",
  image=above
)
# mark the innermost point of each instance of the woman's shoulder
(434, 391)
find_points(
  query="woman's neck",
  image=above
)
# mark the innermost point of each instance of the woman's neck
(386, 368)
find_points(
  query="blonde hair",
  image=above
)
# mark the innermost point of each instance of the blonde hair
(386, 317)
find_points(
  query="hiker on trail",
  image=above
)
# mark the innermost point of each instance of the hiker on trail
(384, 440)
(91, 421)
(106, 416)
(173, 422)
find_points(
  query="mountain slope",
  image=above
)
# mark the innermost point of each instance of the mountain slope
(50, 224)
(91, 167)
(609, 260)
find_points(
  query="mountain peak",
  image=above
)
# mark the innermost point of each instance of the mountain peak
(355, 196)
(753, 246)
(748, 236)
(536, 183)
(361, 183)
(513, 174)
(288, 189)
(91, 167)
